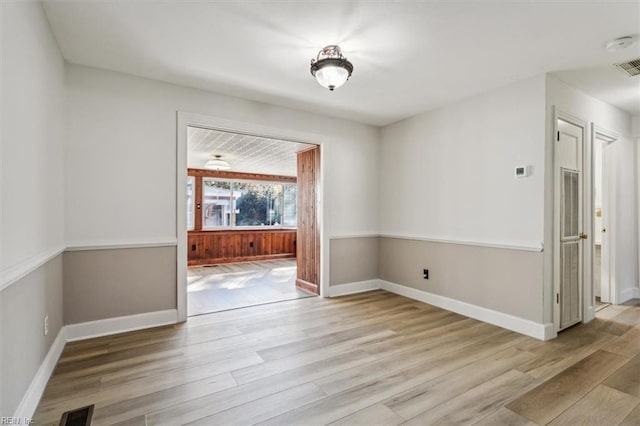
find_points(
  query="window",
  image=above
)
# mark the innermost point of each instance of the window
(191, 192)
(216, 203)
(290, 202)
(241, 203)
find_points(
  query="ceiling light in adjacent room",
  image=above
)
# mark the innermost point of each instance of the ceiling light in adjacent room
(330, 68)
(217, 164)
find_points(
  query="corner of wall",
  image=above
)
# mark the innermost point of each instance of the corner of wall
(33, 138)
(29, 403)
(547, 301)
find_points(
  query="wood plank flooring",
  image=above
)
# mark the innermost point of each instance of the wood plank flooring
(368, 359)
(226, 286)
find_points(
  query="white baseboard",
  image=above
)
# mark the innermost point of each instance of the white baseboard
(31, 398)
(105, 327)
(86, 330)
(510, 322)
(549, 331)
(628, 294)
(353, 288)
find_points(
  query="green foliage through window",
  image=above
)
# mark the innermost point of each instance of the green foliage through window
(244, 203)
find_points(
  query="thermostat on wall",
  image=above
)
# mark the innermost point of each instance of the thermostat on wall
(521, 171)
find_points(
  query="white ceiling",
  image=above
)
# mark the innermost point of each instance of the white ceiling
(607, 84)
(409, 57)
(244, 153)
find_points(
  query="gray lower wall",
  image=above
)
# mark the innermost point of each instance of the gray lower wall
(504, 280)
(100, 284)
(23, 345)
(91, 285)
(353, 260)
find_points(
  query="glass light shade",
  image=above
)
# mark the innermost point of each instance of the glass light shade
(217, 164)
(332, 76)
(330, 68)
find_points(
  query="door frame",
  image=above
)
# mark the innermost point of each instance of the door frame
(186, 119)
(599, 133)
(586, 304)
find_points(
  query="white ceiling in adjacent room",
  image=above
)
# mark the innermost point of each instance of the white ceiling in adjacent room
(607, 84)
(244, 153)
(408, 57)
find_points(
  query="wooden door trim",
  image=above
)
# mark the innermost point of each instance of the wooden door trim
(308, 247)
(308, 148)
(306, 285)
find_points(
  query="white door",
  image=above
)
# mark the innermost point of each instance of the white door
(569, 220)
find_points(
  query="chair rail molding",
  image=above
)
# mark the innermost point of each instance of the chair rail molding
(16, 272)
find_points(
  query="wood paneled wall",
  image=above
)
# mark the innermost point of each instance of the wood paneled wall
(213, 247)
(308, 247)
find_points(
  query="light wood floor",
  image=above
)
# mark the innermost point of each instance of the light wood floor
(237, 285)
(369, 359)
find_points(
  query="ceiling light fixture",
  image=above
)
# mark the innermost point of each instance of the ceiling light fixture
(217, 164)
(330, 68)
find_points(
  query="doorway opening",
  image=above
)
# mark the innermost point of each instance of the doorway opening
(247, 221)
(604, 293)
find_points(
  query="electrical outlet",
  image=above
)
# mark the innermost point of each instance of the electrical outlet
(46, 325)
(425, 274)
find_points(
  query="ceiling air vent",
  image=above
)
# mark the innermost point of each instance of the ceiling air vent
(631, 68)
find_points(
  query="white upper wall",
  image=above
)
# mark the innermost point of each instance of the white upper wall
(33, 118)
(449, 174)
(635, 126)
(121, 156)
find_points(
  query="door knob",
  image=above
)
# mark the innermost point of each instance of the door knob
(604, 229)
(583, 236)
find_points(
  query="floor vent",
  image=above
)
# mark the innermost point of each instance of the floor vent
(631, 68)
(78, 417)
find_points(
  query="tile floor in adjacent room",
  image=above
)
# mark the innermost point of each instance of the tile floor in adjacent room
(235, 285)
